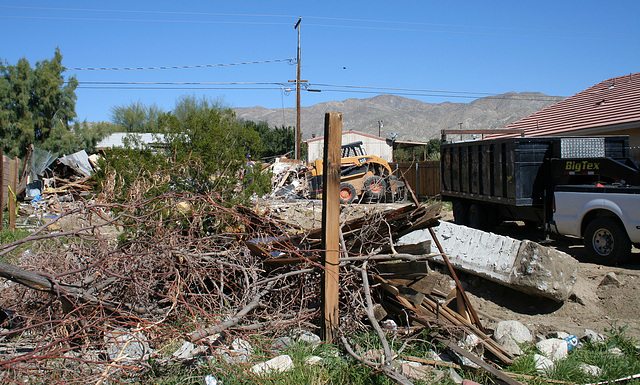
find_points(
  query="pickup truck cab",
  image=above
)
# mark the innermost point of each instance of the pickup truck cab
(606, 217)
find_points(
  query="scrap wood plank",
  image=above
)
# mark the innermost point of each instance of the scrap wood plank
(77, 184)
(421, 311)
(400, 221)
(432, 362)
(420, 248)
(479, 361)
(425, 284)
(387, 286)
(493, 346)
(443, 312)
(403, 269)
(415, 315)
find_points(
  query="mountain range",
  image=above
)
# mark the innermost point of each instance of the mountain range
(411, 119)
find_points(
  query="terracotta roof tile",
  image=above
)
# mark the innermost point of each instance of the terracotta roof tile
(609, 103)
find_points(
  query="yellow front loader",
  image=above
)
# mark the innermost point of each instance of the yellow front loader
(364, 177)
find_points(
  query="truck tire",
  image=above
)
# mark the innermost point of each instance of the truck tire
(477, 217)
(606, 241)
(347, 193)
(375, 187)
(460, 213)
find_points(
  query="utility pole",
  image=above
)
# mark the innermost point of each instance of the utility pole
(298, 128)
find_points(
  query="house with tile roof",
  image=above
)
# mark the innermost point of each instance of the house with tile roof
(611, 107)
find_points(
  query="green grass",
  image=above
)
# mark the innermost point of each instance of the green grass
(8, 236)
(596, 354)
(335, 368)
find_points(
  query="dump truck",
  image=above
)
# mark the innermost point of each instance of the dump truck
(586, 187)
(362, 176)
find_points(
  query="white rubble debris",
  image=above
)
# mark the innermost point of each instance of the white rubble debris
(510, 334)
(543, 364)
(591, 370)
(553, 348)
(279, 364)
(126, 346)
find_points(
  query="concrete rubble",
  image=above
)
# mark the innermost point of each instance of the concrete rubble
(510, 334)
(522, 265)
(127, 346)
(555, 349)
(280, 364)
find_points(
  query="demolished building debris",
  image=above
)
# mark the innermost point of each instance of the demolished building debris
(251, 272)
(129, 278)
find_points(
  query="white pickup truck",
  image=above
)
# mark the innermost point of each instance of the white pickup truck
(607, 218)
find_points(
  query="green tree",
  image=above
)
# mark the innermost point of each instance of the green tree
(430, 151)
(210, 132)
(33, 102)
(80, 136)
(205, 151)
(136, 117)
(275, 142)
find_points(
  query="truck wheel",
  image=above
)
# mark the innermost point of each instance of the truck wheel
(347, 193)
(460, 213)
(606, 241)
(477, 217)
(375, 187)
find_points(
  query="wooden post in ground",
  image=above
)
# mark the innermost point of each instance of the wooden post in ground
(331, 222)
(11, 197)
(1, 188)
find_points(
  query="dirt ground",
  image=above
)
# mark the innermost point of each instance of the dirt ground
(603, 297)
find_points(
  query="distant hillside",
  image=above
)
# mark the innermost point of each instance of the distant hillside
(411, 119)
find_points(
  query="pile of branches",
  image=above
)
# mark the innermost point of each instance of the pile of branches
(174, 265)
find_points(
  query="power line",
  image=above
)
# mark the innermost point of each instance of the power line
(491, 96)
(588, 34)
(173, 88)
(139, 20)
(180, 83)
(291, 60)
(280, 86)
(599, 33)
(403, 89)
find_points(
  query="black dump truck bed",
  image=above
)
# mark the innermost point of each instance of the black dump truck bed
(514, 178)
(513, 170)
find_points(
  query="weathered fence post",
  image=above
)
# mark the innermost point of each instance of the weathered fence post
(11, 197)
(1, 188)
(331, 222)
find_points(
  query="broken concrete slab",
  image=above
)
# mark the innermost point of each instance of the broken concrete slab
(522, 265)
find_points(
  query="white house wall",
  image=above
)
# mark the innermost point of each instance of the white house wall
(372, 145)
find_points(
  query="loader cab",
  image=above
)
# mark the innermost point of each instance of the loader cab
(353, 149)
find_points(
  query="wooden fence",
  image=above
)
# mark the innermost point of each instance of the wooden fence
(5, 167)
(423, 177)
(8, 180)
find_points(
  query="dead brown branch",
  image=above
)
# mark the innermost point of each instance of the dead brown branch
(167, 265)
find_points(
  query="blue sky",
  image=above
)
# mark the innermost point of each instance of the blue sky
(434, 51)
